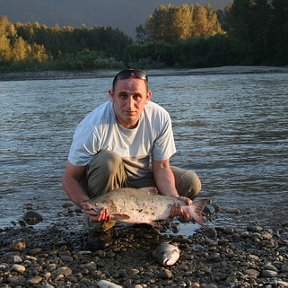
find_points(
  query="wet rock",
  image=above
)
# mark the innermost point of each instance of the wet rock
(210, 232)
(32, 217)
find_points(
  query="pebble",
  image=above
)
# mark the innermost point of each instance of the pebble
(17, 259)
(34, 280)
(62, 272)
(252, 273)
(18, 268)
(269, 273)
(165, 274)
(271, 267)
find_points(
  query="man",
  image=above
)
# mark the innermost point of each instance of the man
(125, 142)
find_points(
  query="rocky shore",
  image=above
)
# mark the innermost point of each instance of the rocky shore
(212, 257)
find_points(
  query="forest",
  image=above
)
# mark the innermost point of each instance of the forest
(246, 32)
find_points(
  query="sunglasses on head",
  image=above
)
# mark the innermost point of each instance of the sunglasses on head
(130, 73)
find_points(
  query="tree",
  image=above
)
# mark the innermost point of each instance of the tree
(171, 23)
(183, 22)
(205, 22)
(278, 33)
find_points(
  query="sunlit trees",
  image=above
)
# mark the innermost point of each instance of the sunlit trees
(171, 23)
(24, 44)
(14, 49)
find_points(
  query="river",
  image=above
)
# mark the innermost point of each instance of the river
(232, 129)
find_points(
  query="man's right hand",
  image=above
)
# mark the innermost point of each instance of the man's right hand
(95, 214)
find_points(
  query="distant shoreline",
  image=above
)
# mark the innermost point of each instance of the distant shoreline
(57, 75)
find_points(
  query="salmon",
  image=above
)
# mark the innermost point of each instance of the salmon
(144, 206)
(166, 254)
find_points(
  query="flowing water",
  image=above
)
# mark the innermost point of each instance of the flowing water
(231, 129)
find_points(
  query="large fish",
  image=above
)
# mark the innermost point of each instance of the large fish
(141, 206)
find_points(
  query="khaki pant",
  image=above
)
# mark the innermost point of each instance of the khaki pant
(106, 172)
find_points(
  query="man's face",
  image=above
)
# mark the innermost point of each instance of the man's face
(129, 99)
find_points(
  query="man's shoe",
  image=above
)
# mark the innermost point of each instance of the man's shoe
(99, 240)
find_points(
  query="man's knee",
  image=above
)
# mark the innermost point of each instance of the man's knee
(187, 182)
(107, 161)
(195, 183)
(104, 173)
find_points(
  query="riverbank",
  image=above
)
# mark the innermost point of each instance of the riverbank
(212, 257)
(215, 256)
(54, 75)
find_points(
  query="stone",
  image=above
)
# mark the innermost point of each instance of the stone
(166, 274)
(252, 273)
(269, 273)
(34, 280)
(32, 217)
(18, 268)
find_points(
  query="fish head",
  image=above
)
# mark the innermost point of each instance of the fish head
(166, 254)
(170, 257)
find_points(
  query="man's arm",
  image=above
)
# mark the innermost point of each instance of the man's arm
(72, 183)
(165, 180)
(73, 188)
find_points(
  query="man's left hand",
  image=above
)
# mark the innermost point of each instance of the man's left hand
(187, 200)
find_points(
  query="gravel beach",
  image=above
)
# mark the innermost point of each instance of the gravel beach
(38, 252)
(56, 256)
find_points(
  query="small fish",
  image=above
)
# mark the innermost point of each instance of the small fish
(166, 254)
(141, 206)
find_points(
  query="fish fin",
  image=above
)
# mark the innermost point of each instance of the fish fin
(196, 210)
(108, 225)
(120, 216)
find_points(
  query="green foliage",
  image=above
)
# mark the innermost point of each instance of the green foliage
(196, 52)
(260, 27)
(30, 45)
(156, 54)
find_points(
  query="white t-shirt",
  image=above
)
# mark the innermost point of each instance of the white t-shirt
(99, 130)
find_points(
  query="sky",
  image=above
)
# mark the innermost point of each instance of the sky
(125, 15)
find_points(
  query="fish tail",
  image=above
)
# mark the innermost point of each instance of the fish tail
(196, 210)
